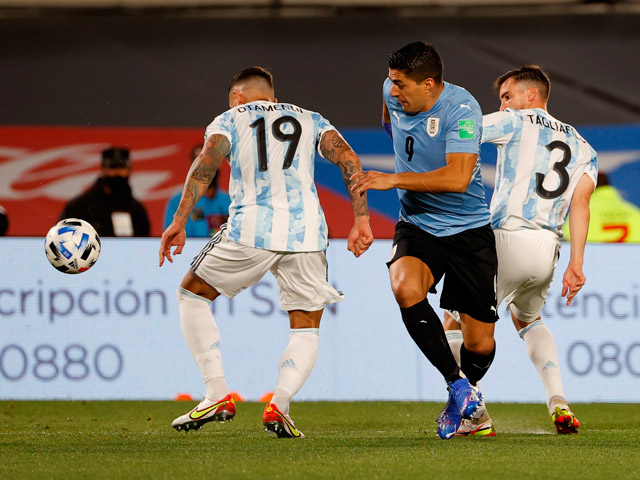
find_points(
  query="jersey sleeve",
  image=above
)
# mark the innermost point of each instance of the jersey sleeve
(221, 125)
(498, 127)
(324, 126)
(464, 127)
(386, 88)
(592, 168)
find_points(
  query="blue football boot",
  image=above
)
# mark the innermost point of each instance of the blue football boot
(449, 420)
(467, 397)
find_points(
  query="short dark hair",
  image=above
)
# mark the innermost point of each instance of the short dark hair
(528, 73)
(116, 157)
(252, 73)
(418, 61)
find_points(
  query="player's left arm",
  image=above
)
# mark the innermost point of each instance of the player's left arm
(574, 278)
(335, 149)
(202, 171)
(386, 119)
(463, 133)
(454, 177)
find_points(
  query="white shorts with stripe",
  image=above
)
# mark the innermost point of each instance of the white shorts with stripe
(230, 268)
(526, 262)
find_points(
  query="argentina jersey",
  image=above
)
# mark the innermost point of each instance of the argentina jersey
(540, 162)
(421, 142)
(274, 201)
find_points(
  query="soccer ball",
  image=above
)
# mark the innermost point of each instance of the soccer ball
(72, 245)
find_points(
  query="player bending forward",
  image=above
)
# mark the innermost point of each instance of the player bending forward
(275, 224)
(543, 167)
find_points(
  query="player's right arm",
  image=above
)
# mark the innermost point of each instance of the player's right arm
(202, 171)
(335, 149)
(574, 278)
(386, 116)
(386, 119)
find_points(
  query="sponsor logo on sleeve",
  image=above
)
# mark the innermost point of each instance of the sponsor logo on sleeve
(466, 129)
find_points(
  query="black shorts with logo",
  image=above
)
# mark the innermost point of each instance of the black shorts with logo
(467, 260)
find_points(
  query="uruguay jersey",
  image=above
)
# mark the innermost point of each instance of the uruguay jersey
(274, 201)
(540, 162)
(421, 142)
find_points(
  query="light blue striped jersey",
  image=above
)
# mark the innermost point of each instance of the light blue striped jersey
(540, 162)
(274, 201)
(421, 142)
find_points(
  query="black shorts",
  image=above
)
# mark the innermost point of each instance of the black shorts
(467, 260)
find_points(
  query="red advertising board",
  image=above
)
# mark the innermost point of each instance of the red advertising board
(41, 168)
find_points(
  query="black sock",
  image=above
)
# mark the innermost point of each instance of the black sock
(427, 331)
(475, 366)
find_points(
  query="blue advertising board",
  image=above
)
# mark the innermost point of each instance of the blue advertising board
(114, 332)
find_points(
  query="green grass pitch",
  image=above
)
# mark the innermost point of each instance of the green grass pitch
(363, 440)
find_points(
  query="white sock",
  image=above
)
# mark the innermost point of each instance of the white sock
(454, 337)
(543, 353)
(203, 339)
(296, 364)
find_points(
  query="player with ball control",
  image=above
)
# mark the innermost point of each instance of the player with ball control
(275, 224)
(444, 228)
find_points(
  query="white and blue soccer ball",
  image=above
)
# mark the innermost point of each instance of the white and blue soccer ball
(72, 246)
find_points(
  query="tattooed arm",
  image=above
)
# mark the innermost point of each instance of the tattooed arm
(202, 171)
(338, 152)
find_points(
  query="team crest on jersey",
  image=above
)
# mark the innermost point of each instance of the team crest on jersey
(433, 126)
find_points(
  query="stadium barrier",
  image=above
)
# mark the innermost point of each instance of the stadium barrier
(113, 332)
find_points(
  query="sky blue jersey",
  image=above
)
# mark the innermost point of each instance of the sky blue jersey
(421, 142)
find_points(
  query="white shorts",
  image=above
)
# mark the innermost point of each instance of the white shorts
(230, 268)
(526, 262)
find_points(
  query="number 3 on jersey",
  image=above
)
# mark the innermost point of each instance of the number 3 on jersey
(560, 168)
(276, 129)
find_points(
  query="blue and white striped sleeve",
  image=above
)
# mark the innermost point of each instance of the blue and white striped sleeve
(221, 125)
(592, 168)
(498, 127)
(324, 126)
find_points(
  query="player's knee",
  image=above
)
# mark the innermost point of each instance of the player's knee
(186, 295)
(480, 345)
(408, 295)
(196, 285)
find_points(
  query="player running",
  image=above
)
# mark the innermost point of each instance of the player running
(275, 224)
(444, 221)
(544, 167)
